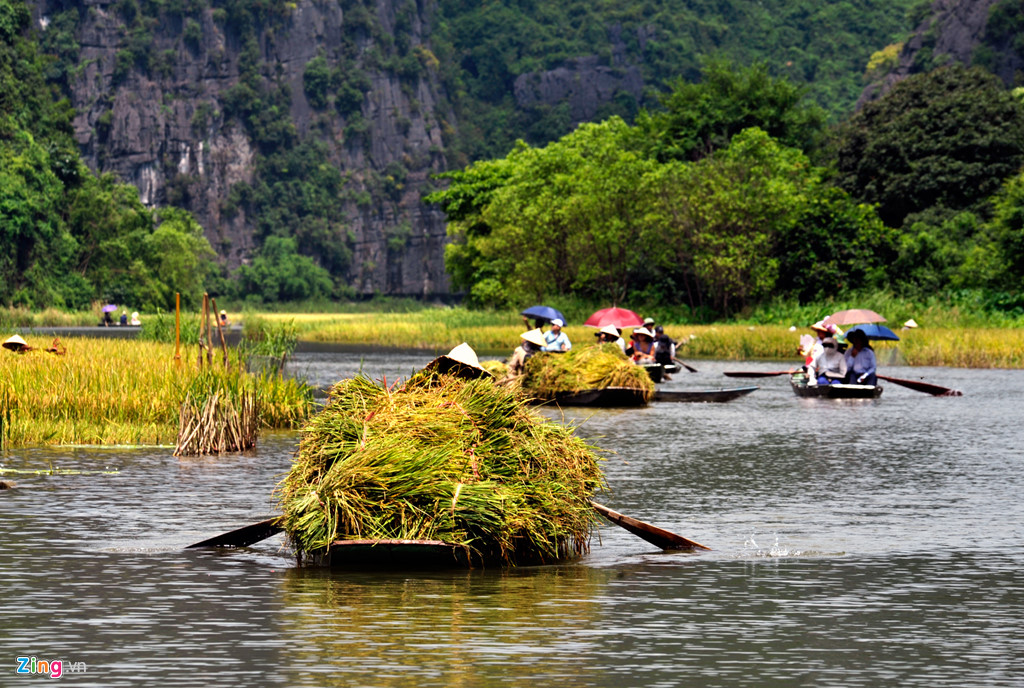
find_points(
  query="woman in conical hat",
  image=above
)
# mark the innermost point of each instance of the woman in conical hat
(16, 343)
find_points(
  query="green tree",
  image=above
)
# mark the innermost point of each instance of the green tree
(946, 139)
(280, 273)
(700, 118)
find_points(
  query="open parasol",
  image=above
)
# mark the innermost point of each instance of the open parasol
(546, 313)
(616, 317)
(874, 331)
(853, 316)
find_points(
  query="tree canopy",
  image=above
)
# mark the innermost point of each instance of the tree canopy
(946, 139)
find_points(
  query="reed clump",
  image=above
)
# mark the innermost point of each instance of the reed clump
(118, 392)
(441, 458)
(589, 367)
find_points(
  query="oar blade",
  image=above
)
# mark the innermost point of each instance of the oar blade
(244, 536)
(659, 537)
(927, 388)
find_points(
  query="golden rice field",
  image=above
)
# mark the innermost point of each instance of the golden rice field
(115, 392)
(439, 330)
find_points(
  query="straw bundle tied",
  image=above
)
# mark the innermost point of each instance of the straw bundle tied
(220, 414)
(442, 458)
(589, 367)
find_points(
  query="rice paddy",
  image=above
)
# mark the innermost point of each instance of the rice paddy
(439, 329)
(117, 392)
(441, 458)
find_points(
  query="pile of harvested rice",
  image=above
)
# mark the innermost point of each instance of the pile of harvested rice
(589, 367)
(441, 458)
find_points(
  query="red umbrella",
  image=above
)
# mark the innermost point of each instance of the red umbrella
(853, 316)
(616, 317)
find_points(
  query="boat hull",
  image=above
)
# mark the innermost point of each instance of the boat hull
(658, 371)
(607, 397)
(803, 390)
(705, 395)
(398, 555)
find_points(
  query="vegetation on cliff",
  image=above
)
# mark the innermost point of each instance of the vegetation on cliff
(68, 237)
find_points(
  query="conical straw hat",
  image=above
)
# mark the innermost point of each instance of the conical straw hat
(15, 343)
(534, 337)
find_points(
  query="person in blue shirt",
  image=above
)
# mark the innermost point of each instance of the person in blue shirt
(860, 360)
(557, 340)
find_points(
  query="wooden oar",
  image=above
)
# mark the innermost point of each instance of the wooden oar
(253, 533)
(690, 368)
(659, 537)
(757, 373)
(244, 536)
(925, 387)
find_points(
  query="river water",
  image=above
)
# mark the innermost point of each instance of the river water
(867, 543)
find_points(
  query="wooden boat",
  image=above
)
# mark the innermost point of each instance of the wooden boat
(715, 395)
(841, 391)
(399, 555)
(606, 397)
(658, 371)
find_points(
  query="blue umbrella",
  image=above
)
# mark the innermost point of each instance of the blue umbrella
(874, 331)
(543, 313)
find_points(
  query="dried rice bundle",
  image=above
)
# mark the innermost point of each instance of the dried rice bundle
(442, 458)
(590, 367)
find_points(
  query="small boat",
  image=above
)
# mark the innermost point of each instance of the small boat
(658, 371)
(840, 391)
(715, 395)
(607, 397)
(392, 554)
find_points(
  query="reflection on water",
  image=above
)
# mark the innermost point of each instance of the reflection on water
(862, 544)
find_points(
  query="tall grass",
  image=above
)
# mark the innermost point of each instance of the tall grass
(105, 391)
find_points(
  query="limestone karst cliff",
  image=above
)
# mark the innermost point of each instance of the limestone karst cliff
(183, 100)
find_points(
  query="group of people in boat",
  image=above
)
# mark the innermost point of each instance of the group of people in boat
(647, 344)
(835, 358)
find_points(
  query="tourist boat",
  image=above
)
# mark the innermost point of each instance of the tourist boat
(840, 391)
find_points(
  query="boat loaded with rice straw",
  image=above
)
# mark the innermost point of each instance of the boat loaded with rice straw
(599, 375)
(444, 462)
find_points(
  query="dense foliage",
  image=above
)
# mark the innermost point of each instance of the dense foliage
(682, 208)
(485, 47)
(944, 140)
(67, 237)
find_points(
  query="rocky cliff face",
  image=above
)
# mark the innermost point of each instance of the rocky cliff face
(163, 126)
(952, 32)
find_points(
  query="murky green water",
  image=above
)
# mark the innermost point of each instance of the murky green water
(870, 543)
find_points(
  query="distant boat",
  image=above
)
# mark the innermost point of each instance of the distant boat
(840, 391)
(626, 397)
(704, 395)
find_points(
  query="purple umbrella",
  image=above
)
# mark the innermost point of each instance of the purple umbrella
(109, 308)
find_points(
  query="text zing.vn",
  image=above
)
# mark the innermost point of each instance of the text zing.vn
(54, 668)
